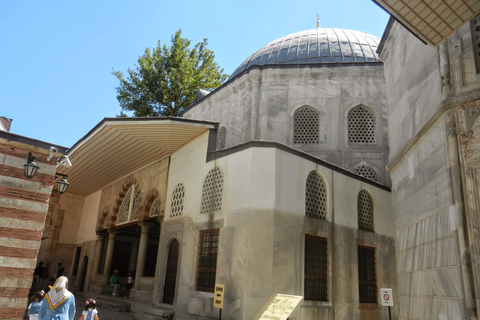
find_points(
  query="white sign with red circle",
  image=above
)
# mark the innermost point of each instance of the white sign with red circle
(386, 296)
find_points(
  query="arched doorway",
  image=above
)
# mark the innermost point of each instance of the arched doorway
(171, 273)
(83, 274)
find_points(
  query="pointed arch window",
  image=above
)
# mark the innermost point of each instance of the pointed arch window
(176, 208)
(365, 211)
(367, 172)
(306, 123)
(212, 191)
(361, 126)
(129, 209)
(222, 135)
(315, 197)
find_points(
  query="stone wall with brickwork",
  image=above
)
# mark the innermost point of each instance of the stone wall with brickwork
(23, 208)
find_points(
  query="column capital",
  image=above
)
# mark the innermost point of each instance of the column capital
(145, 226)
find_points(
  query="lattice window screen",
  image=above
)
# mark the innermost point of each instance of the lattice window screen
(125, 207)
(475, 25)
(365, 211)
(361, 126)
(306, 123)
(222, 134)
(212, 191)
(154, 209)
(366, 172)
(135, 207)
(177, 200)
(130, 207)
(315, 197)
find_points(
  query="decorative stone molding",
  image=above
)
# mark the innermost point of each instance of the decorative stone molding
(469, 126)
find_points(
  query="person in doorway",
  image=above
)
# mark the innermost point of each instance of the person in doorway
(61, 270)
(130, 281)
(115, 283)
(59, 303)
(90, 312)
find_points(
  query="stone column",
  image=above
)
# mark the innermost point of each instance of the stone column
(107, 270)
(142, 252)
(98, 253)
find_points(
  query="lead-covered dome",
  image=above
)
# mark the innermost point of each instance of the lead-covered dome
(322, 45)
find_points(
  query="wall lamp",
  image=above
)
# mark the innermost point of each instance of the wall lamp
(62, 184)
(30, 167)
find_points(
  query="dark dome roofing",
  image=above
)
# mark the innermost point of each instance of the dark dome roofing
(323, 45)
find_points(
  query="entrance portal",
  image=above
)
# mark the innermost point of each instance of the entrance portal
(171, 274)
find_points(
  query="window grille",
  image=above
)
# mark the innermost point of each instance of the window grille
(129, 209)
(222, 134)
(367, 172)
(177, 200)
(361, 126)
(315, 197)
(306, 123)
(154, 209)
(367, 277)
(365, 211)
(207, 260)
(475, 25)
(316, 268)
(212, 191)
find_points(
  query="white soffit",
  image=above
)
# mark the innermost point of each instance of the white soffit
(116, 148)
(432, 20)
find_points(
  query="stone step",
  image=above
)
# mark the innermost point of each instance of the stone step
(154, 313)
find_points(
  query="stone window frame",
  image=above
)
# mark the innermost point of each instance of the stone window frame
(362, 166)
(316, 207)
(207, 258)
(316, 271)
(315, 127)
(349, 138)
(212, 191)
(365, 211)
(221, 138)
(367, 274)
(178, 196)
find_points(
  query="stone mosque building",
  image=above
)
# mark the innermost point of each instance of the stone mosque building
(331, 164)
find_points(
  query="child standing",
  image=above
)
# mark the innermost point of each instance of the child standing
(90, 312)
(130, 282)
(34, 307)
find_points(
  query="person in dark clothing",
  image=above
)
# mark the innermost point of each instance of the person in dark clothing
(39, 270)
(61, 270)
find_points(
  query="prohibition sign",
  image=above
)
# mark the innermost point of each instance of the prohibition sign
(386, 296)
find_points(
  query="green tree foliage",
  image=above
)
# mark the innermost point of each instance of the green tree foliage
(167, 79)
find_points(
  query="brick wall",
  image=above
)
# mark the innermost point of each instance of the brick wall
(23, 209)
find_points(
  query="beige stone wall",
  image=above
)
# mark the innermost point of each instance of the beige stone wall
(260, 105)
(262, 228)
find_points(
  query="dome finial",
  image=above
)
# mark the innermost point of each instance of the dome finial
(318, 21)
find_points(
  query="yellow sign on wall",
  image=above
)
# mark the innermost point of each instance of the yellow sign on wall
(218, 295)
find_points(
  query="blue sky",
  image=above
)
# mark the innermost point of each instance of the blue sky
(57, 56)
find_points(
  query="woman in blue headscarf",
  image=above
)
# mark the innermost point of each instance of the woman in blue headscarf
(59, 303)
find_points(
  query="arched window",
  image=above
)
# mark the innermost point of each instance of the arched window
(176, 208)
(315, 197)
(212, 191)
(367, 172)
(154, 209)
(365, 211)
(129, 209)
(306, 123)
(222, 133)
(361, 126)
